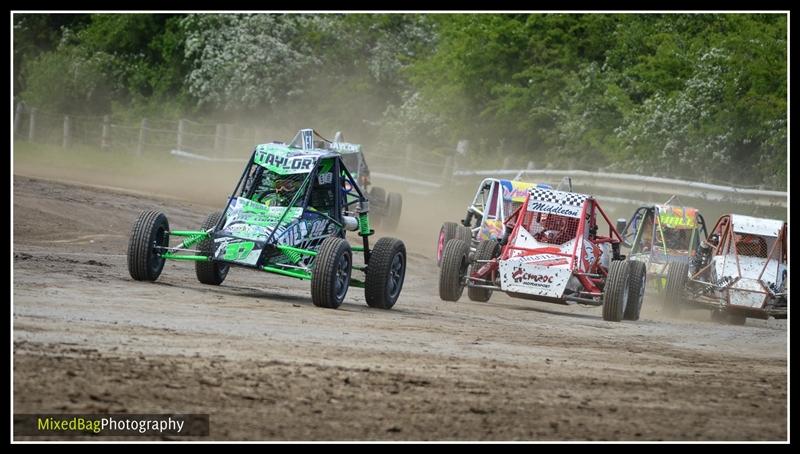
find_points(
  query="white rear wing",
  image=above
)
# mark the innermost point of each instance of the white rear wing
(756, 226)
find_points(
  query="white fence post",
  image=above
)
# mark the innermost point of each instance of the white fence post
(18, 117)
(219, 137)
(180, 134)
(65, 142)
(447, 170)
(32, 125)
(226, 143)
(105, 141)
(142, 137)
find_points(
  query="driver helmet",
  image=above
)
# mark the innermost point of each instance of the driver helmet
(550, 236)
(284, 185)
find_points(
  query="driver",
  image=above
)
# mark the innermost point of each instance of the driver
(275, 191)
(676, 239)
(553, 230)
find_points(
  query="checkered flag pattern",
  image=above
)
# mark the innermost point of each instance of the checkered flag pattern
(558, 197)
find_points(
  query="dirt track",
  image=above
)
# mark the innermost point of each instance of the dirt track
(267, 365)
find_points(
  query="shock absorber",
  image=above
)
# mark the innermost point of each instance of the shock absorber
(615, 252)
(364, 230)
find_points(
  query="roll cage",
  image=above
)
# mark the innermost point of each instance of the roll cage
(725, 236)
(645, 233)
(592, 278)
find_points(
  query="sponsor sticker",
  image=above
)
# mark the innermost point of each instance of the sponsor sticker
(554, 208)
(285, 164)
(534, 279)
(344, 146)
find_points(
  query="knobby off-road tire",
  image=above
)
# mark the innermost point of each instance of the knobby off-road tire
(210, 273)
(377, 195)
(449, 231)
(675, 293)
(616, 291)
(464, 234)
(394, 208)
(330, 278)
(150, 229)
(377, 203)
(487, 250)
(386, 272)
(455, 262)
(638, 279)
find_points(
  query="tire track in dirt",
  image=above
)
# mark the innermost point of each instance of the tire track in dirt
(267, 364)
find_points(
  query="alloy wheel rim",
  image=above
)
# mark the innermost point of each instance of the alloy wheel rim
(396, 274)
(342, 277)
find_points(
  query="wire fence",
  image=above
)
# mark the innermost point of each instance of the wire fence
(412, 166)
(145, 136)
(208, 141)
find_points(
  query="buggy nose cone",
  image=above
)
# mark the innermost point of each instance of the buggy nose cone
(519, 275)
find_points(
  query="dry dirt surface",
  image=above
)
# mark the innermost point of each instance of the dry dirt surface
(266, 364)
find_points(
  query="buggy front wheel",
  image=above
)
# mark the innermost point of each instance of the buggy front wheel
(447, 232)
(386, 272)
(455, 262)
(616, 291)
(487, 250)
(150, 231)
(330, 278)
(638, 280)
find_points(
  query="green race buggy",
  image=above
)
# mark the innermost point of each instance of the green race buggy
(288, 215)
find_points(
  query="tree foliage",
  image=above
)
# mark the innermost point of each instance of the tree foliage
(701, 96)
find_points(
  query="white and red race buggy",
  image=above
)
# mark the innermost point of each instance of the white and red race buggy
(493, 203)
(740, 271)
(552, 251)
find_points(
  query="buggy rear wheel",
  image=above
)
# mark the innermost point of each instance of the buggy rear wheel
(447, 232)
(330, 278)
(487, 250)
(377, 202)
(150, 230)
(210, 272)
(638, 279)
(674, 294)
(464, 234)
(386, 272)
(394, 207)
(455, 262)
(616, 290)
